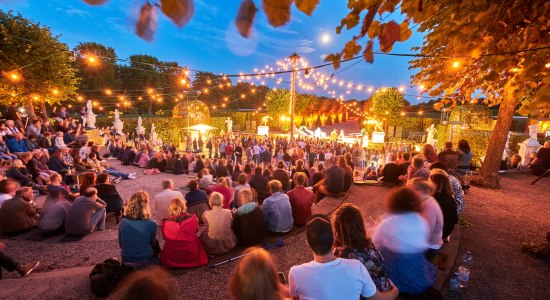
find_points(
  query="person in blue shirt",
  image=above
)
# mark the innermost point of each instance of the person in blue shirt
(17, 144)
(137, 233)
(277, 210)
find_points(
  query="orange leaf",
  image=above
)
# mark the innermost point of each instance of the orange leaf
(307, 6)
(389, 34)
(245, 17)
(368, 54)
(277, 11)
(180, 11)
(147, 23)
(404, 32)
(96, 2)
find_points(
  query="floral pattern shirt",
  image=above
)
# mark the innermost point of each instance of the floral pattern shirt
(372, 260)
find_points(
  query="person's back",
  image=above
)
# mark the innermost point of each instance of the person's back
(80, 217)
(249, 224)
(282, 176)
(449, 157)
(390, 173)
(135, 238)
(301, 200)
(53, 216)
(182, 248)
(334, 180)
(161, 201)
(259, 183)
(448, 208)
(16, 214)
(278, 213)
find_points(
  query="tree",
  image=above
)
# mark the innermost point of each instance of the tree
(278, 102)
(38, 66)
(96, 76)
(387, 103)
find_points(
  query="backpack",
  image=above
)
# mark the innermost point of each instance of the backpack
(105, 276)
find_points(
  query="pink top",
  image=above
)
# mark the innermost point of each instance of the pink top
(431, 211)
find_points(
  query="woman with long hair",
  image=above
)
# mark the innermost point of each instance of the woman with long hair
(299, 168)
(88, 180)
(348, 177)
(464, 157)
(248, 223)
(444, 195)
(182, 247)
(255, 278)
(137, 233)
(351, 242)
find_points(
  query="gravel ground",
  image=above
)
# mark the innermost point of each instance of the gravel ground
(501, 219)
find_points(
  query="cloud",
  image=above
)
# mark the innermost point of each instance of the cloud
(74, 12)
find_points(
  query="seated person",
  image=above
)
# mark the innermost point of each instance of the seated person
(241, 184)
(5, 152)
(370, 175)
(282, 175)
(137, 234)
(18, 172)
(277, 210)
(182, 248)
(248, 222)
(390, 172)
(417, 169)
(8, 187)
(86, 214)
(259, 183)
(318, 175)
(448, 156)
(10, 265)
(541, 163)
(218, 237)
(333, 184)
(178, 165)
(197, 200)
(162, 200)
(55, 208)
(301, 200)
(223, 187)
(205, 179)
(107, 192)
(329, 277)
(18, 213)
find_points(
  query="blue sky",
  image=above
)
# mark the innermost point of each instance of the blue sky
(209, 42)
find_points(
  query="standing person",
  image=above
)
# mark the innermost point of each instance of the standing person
(277, 210)
(86, 214)
(137, 233)
(209, 147)
(162, 200)
(301, 200)
(351, 241)
(255, 277)
(182, 248)
(330, 277)
(256, 150)
(239, 153)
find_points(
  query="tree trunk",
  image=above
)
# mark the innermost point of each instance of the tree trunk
(30, 109)
(491, 165)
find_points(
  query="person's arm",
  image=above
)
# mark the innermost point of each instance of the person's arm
(100, 203)
(387, 295)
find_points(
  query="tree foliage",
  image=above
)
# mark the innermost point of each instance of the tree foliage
(96, 77)
(388, 102)
(39, 65)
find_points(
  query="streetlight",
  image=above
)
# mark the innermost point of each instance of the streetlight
(294, 57)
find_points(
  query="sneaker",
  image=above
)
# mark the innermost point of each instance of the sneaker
(26, 269)
(132, 176)
(117, 180)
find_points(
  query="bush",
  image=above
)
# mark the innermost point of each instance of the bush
(168, 129)
(412, 124)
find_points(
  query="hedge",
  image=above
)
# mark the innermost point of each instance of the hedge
(168, 129)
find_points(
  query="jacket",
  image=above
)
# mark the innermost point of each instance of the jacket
(182, 248)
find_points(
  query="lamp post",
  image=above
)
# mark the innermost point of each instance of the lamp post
(294, 57)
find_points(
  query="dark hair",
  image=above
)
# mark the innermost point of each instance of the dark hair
(89, 192)
(241, 179)
(438, 165)
(448, 145)
(258, 171)
(102, 177)
(281, 165)
(247, 169)
(266, 173)
(441, 184)
(402, 200)
(319, 234)
(406, 156)
(8, 185)
(349, 228)
(464, 146)
(193, 185)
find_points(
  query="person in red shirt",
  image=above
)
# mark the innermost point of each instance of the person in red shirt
(301, 200)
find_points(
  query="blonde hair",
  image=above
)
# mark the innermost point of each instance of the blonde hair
(420, 185)
(177, 206)
(17, 163)
(138, 207)
(216, 199)
(223, 182)
(255, 277)
(275, 186)
(245, 196)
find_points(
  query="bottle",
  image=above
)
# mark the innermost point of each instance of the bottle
(467, 259)
(463, 276)
(454, 285)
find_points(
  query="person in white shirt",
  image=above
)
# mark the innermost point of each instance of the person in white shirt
(161, 201)
(8, 187)
(328, 277)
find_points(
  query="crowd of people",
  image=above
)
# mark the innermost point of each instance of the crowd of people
(242, 189)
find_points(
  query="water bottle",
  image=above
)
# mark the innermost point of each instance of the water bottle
(454, 285)
(464, 269)
(467, 259)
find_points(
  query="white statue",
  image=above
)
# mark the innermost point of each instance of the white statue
(140, 129)
(265, 120)
(317, 132)
(153, 136)
(507, 152)
(229, 124)
(533, 131)
(117, 123)
(431, 135)
(90, 116)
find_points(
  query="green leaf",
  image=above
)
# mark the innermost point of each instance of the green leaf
(307, 6)
(245, 17)
(179, 11)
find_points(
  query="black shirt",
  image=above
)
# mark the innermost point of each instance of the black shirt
(544, 157)
(391, 173)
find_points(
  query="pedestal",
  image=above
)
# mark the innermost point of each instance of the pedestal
(525, 148)
(263, 130)
(378, 137)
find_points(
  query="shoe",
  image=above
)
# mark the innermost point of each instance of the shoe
(117, 180)
(26, 269)
(132, 176)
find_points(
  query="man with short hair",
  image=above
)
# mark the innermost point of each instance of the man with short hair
(333, 184)
(8, 187)
(259, 183)
(161, 201)
(390, 171)
(448, 156)
(17, 144)
(282, 175)
(301, 200)
(86, 214)
(277, 210)
(328, 277)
